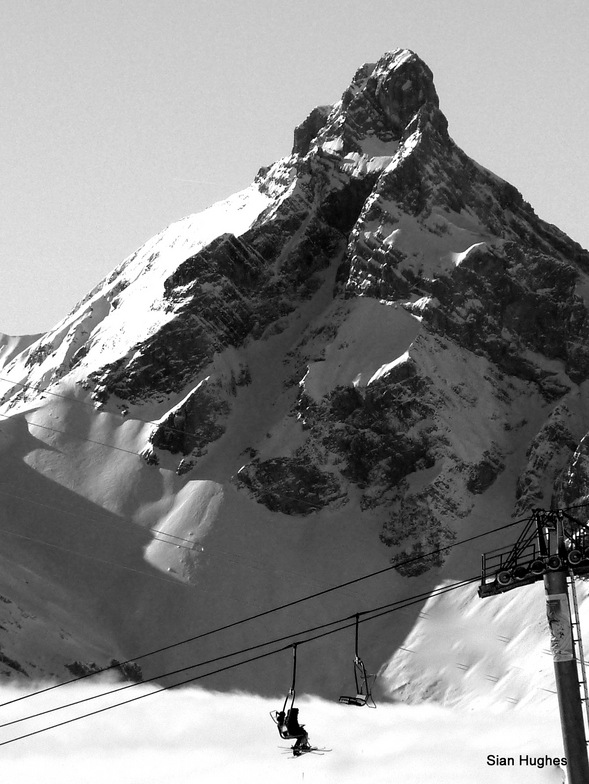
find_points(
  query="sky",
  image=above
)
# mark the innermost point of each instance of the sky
(122, 116)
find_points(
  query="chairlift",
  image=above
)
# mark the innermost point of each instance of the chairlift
(363, 680)
(287, 719)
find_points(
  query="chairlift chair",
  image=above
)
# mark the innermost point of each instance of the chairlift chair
(363, 680)
(282, 718)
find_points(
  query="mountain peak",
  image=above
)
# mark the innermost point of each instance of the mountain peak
(385, 102)
(377, 344)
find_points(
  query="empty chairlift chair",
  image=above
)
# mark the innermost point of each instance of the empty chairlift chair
(363, 680)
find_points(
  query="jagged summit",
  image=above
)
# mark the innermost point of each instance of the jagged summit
(374, 347)
(384, 104)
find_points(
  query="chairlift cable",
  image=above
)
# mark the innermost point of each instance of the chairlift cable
(175, 583)
(140, 697)
(381, 611)
(139, 530)
(130, 452)
(73, 435)
(101, 520)
(167, 688)
(270, 611)
(387, 608)
(92, 406)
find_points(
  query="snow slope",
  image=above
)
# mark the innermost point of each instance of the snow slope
(11, 346)
(183, 734)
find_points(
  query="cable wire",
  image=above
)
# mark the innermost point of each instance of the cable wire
(310, 504)
(139, 530)
(72, 435)
(155, 423)
(141, 696)
(374, 613)
(119, 414)
(71, 399)
(263, 613)
(407, 602)
(135, 527)
(176, 583)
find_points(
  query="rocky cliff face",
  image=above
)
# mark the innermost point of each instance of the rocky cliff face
(378, 329)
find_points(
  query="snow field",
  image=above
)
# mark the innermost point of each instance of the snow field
(185, 735)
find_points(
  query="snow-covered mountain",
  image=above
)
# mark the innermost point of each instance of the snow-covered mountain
(375, 350)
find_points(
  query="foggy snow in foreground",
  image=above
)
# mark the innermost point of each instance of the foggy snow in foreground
(195, 735)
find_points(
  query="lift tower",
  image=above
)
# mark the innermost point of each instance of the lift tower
(551, 546)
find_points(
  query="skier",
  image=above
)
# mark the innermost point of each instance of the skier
(289, 727)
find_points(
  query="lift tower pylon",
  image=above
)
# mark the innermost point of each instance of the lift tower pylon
(548, 550)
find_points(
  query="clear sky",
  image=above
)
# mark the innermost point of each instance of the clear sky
(122, 116)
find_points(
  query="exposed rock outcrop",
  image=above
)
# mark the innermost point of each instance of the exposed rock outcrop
(377, 322)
